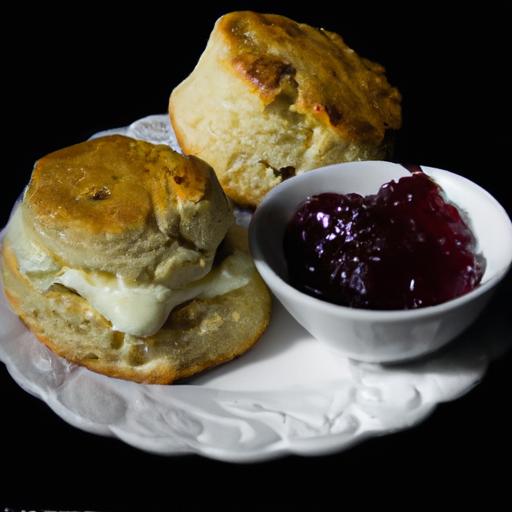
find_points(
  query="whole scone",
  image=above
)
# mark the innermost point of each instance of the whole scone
(271, 98)
(123, 257)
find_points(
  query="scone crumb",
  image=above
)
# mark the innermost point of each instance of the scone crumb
(211, 324)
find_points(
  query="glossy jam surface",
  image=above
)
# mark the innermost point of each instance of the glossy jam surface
(404, 247)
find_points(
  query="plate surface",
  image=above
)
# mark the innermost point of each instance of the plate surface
(289, 394)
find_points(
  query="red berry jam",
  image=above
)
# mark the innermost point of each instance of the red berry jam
(404, 247)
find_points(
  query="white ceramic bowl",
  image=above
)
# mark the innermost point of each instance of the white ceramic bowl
(370, 335)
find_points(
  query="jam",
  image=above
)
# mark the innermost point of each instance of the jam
(404, 247)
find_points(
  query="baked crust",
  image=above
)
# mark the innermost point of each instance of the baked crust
(271, 98)
(127, 207)
(335, 85)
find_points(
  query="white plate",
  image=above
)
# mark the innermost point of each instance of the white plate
(289, 394)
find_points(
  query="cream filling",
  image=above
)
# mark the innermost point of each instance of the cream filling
(33, 260)
(142, 310)
(132, 308)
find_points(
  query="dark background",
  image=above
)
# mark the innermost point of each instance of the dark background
(72, 72)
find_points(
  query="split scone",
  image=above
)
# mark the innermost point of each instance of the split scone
(271, 98)
(123, 257)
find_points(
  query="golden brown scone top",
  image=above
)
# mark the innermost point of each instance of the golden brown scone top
(341, 89)
(112, 184)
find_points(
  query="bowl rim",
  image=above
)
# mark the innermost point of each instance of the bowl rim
(275, 281)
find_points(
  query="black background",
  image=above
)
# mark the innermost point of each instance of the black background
(71, 72)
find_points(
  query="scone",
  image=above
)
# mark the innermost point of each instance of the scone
(271, 98)
(123, 257)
